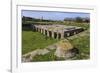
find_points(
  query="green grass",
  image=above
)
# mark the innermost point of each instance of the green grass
(84, 25)
(35, 40)
(47, 57)
(83, 44)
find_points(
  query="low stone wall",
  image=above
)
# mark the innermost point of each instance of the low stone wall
(58, 33)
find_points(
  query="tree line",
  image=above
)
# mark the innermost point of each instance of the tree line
(77, 19)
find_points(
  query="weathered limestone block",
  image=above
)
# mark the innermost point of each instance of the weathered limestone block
(44, 31)
(52, 34)
(68, 34)
(75, 33)
(62, 35)
(63, 49)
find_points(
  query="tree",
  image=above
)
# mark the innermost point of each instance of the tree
(87, 20)
(79, 19)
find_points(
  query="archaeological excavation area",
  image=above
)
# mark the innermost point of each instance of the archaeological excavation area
(55, 47)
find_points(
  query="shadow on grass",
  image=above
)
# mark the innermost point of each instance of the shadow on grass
(75, 50)
(27, 27)
(79, 55)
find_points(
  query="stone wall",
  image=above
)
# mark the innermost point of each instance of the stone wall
(58, 34)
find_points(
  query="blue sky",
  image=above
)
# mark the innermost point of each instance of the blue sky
(53, 15)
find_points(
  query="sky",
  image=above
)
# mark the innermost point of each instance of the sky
(51, 15)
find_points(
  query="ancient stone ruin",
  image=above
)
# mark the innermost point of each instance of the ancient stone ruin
(65, 49)
(62, 48)
(57, 31)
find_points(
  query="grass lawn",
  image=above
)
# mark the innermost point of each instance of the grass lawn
(83, 44)
(35, 40)
(47, 57)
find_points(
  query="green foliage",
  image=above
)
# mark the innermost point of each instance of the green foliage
(29, 20)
